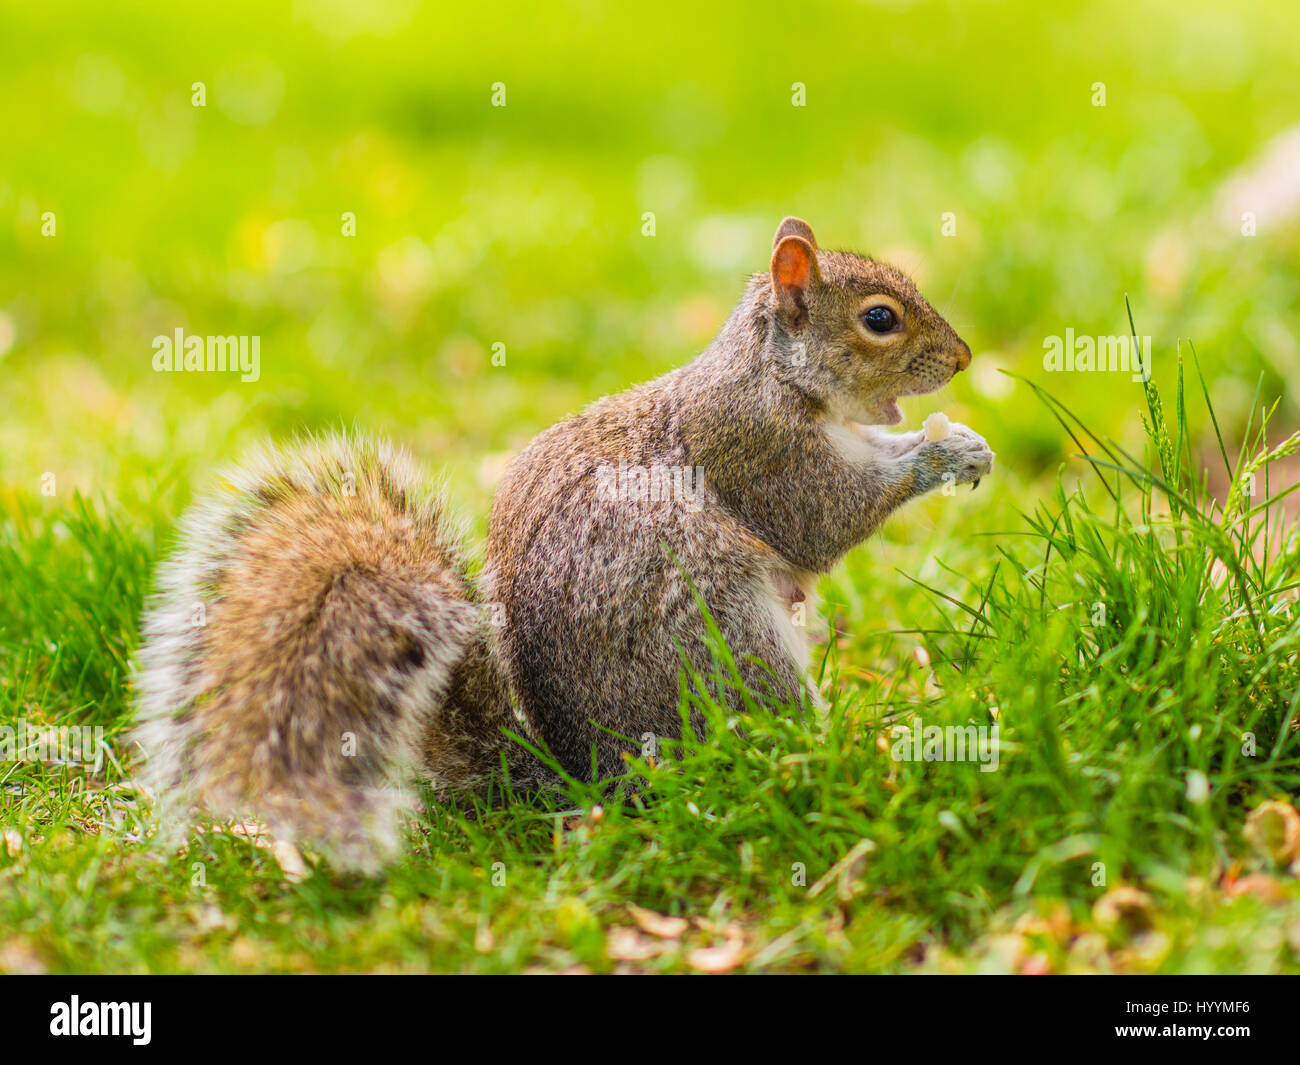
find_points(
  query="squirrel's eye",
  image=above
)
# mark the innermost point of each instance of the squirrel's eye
(879, 319)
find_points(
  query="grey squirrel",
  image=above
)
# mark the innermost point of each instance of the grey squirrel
(315, 644)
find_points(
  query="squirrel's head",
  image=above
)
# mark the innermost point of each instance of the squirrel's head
(853, 333)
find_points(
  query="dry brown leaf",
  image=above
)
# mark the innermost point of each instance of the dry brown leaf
(627, 944)
(1273, 830)
(290, 859)
(1036, 965)
(1123, 906)
(1055, 923)
(720, 958)
(1006, 951)
(1261, 885)
(1147, 951)
(244, 952)
(19, 956)
(211, 917)
(573, 970)
(658, 924)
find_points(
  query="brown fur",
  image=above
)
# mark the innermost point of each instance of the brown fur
(339, 611)
(596, 590)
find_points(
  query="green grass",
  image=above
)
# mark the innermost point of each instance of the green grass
(1106, 720)
(1121, 729)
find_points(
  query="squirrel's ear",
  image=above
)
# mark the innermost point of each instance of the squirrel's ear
(794, 270)
(794, 227)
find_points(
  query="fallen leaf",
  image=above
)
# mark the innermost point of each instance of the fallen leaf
(292, 864)
(1055, 923)
(658, 924)
(1006, 952)
(1261, 885)
(1037, 965)
(244, 952)
(20, 957)
(1146, 952)
(1273, 830)
(720, 958)
(1123, 907)
(211, 917)
(627, 944)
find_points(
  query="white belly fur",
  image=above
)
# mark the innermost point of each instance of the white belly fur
(781, 596)
(853, 447)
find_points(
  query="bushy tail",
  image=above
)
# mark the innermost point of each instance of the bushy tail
(313, 645)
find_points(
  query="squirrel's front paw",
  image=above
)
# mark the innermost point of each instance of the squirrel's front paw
(961, 457)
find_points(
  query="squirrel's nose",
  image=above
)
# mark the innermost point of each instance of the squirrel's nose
(963, 355)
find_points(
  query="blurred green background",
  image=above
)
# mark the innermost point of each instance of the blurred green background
(523, 225)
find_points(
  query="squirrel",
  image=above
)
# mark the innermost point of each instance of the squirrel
(316, 643)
